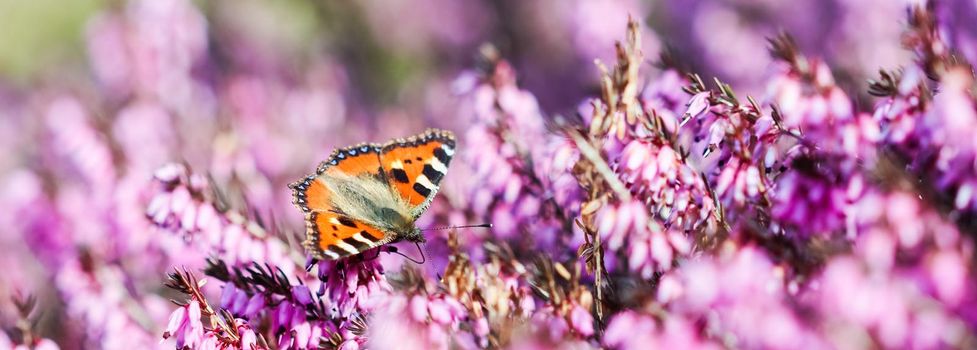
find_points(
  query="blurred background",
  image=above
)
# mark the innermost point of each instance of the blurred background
(95, 95)
(390, 52)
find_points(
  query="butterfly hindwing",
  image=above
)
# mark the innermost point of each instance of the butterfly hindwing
(329, 233)
(333, 235)
(415, 166)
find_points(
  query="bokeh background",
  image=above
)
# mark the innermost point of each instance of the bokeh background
(96, 95)
(391, 53)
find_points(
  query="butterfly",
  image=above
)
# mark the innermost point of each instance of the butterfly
(368, 195)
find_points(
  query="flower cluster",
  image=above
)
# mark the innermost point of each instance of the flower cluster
(522, 181)
(25, 322)
(186, 206)
(928, 123)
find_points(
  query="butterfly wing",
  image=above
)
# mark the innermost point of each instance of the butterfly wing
(330, 233)
(415, 166)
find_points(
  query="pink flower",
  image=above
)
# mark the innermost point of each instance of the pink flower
(185, 325)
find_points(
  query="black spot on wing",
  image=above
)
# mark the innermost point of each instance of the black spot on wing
(400, 175)
(347, 222)
(431, 174)
(421, 190)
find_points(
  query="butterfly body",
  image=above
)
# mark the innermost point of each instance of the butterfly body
(368, 195)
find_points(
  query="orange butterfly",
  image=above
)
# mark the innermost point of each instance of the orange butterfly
(369, 195)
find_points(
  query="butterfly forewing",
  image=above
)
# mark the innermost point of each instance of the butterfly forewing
(330, 234)
(363, 159)
(415, 166)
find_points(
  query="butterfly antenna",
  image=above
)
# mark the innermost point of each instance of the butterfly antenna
(462, 226)
(394, 250)
(419, 250)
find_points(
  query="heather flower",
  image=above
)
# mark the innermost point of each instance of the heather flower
(517, 179)
(223, 331)
(75, 139)
(185, 326)
(81, 214)
(149, 47)
(835, 141)
(554, 164)
(747, 296)
(954, 119)
(25, 323)
(660, 199)
(737, 147)
(185, 206)
(102, 311)
(811, 105)
(817, 202)
(631, 330)
(352, 287)
(645, 246)
(671, 189)
(889, 309)
(418, 322)
(243, 338)
(740, 181)
(928, 123)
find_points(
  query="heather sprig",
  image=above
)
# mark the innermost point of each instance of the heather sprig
(23, 334)
(521, 187)
(222, 329)
(926, 123)
(189, 206)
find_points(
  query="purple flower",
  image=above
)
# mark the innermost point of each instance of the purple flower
(182, 207)
(416, 322)
(150, 47)
(516, 179)
(185, 326)
(631, 330)
(352, 287)
(812, 203)
(742, 298)
(645, 247)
